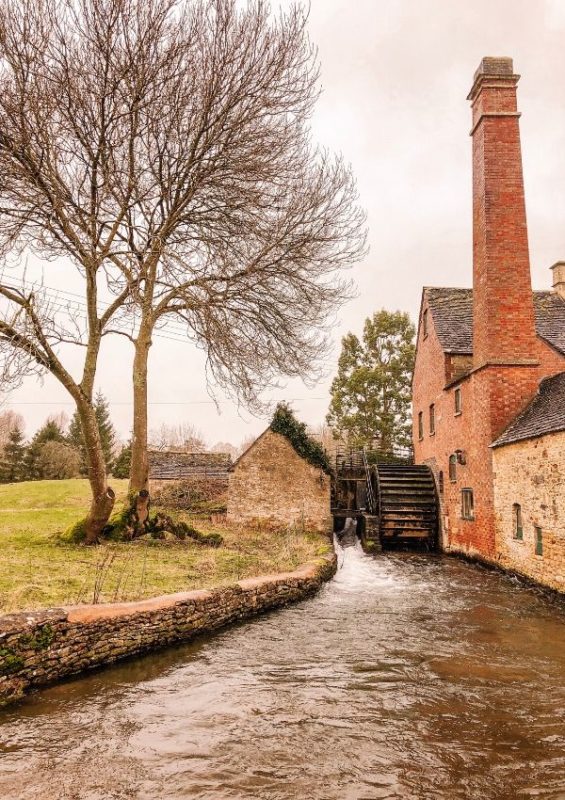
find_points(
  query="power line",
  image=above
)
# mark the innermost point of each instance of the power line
(154, 403)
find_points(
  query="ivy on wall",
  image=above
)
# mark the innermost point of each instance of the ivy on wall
(285, 423)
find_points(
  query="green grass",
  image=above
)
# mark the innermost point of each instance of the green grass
(38, 569)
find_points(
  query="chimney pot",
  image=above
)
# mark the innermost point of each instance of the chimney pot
(558, 270)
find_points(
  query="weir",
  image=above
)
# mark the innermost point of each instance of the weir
(394, 501)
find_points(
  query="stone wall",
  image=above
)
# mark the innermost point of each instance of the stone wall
(272, 483)
(532, 474)
(38, 648)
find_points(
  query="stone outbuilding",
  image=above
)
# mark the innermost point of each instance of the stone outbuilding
(270, 482)
(529, 488)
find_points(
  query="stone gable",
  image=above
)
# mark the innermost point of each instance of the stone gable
(271, 483)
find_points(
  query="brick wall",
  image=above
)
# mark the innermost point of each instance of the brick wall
(40, 647)
(490, 399)
(272, 483)
(509, 359)
(532, 474)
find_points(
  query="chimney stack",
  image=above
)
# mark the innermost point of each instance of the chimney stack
(503, 310)
(558, 270)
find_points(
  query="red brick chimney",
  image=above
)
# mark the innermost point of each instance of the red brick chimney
(503, 311)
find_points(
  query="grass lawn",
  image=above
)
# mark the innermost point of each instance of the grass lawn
(37, 569)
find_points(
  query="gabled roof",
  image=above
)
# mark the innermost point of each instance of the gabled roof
(545, 413)
(452, 310)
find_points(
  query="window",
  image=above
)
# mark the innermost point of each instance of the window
(420, 425)
(425, 323)
(432, 419)
(453, 468)
(539, 541)
(467, 504)
(517, 529)
(441, 482)
(457, 398)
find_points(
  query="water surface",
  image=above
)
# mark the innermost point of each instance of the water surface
(408, 676)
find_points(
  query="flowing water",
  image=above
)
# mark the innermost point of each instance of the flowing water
(408, 676)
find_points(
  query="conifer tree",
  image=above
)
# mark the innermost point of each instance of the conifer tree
(122, 464)
(50, 432)
(12, 466)
(371, 393)
(105, 428)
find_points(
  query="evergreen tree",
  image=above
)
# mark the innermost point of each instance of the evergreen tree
(12, 462)
(50, 432)
(106, 429)
(371, 393)
(107, 434)
(76, 439)
(122, 464)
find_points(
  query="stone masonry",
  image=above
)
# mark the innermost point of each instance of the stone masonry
(38, 648)
(531, 473)
(271, 483)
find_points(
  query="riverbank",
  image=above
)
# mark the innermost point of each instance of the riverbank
(38, 569)
(42, 647)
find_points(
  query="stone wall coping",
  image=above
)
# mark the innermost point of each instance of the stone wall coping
(84, 614)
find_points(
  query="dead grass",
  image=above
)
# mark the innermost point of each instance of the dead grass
(38, 570)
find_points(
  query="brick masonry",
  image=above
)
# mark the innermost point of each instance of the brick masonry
(509, 359)
(38, 648)
(532, 474)
(272, 483)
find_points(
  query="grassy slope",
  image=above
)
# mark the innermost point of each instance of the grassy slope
(38, 570)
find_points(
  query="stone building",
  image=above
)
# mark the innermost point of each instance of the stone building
(271, 483)
(529, 488)
(482, 353)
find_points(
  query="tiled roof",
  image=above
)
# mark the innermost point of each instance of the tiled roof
(545, 414)
(170, 465)
(452, 310)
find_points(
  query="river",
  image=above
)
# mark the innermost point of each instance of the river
(408, 676)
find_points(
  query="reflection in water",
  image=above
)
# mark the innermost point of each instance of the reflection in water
(408, 676)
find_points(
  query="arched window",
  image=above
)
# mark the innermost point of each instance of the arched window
(453, 468)
(517, 528)
(441, 482)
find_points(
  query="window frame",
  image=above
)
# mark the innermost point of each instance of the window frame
(517, 523)
(432, 419)
(420, 425)
(538, 540)
(467, 494)
(452, 473)
(458, 402)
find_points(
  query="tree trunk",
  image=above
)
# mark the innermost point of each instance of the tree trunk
(139, 474)
(103, 496)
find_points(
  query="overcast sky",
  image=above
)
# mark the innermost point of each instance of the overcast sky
(395, 77)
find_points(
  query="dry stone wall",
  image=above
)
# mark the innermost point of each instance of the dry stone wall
(39, 648)
(272, 483)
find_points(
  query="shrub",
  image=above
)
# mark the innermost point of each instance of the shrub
(285, 423)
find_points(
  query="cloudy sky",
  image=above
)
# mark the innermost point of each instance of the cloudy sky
(395, 77)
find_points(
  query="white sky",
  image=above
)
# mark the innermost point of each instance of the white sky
(395, 77)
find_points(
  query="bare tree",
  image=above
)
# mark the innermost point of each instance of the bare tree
(164, 146)
(244, 224)
(183, 436)
(9, 421)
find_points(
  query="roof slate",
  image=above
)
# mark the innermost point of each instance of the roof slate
(452, 311)
(545, 413)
